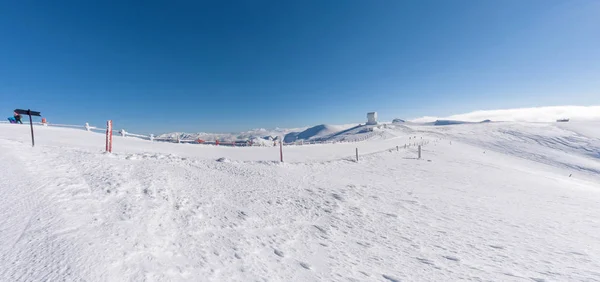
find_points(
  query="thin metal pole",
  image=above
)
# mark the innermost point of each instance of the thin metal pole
(356, 154)
(31, 125)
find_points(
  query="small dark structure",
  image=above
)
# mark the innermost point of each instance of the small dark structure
(29, 113)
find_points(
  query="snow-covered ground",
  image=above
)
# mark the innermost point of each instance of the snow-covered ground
(492, 202)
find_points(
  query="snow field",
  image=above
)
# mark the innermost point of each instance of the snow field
(170, 212)
(95, 142)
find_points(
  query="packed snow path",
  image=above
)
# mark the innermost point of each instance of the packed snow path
(70, 212)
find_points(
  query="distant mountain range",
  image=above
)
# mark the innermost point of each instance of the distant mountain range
(318, 133)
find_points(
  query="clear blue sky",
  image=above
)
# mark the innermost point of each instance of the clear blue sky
(235, 65)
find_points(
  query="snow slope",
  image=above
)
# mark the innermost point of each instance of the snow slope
(170, 212)
(537, 114)
(573, 145)
(316, 132)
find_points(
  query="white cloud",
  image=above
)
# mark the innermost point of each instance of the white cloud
(539, 114)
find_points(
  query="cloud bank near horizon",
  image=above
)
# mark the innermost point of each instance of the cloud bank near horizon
(538, 114)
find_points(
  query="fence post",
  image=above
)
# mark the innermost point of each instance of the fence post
(281, 150)
(109, 136)
(356, 154)
(419, 152)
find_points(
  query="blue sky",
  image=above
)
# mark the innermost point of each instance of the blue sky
(224, 66)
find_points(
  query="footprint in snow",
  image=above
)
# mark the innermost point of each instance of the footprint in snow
(320, 229)
(242, 215)
(338, 197)
(364, 244)
(451, 258)
(278, 252)
(425, 261)
(305, 265)
(223, 160)
(390, 278)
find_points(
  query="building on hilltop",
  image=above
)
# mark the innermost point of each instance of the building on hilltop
(372, 118)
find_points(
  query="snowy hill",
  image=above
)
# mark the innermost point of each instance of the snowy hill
(319, 133)
(488, 201)
(570, 145)
(537, 114)
(316, 132)
(453, 122)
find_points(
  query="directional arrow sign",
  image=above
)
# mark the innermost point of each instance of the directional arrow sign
(28, 112)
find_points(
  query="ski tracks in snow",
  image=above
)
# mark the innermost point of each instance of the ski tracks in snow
(40, 192)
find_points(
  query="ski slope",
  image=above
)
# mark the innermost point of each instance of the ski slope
(496, 201)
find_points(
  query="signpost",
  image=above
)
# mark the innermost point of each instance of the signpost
(29, 113)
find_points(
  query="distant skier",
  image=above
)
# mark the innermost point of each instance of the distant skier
(17, 118)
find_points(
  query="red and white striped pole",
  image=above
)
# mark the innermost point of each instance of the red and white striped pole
(109, 136)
